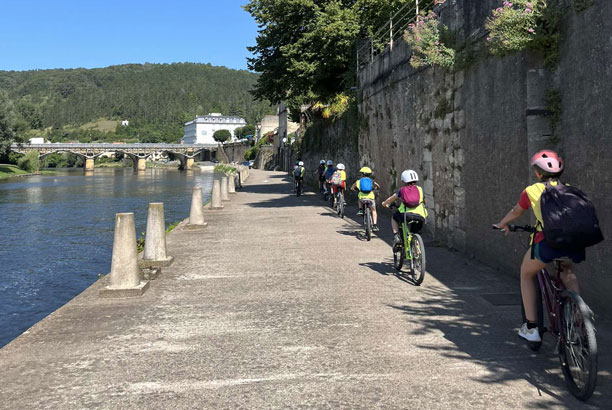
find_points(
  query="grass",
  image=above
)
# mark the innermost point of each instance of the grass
(7, 171)
(101, 125)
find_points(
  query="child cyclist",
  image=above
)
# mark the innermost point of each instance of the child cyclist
(329, 171)
(366, 186)
(413, 205)
(338, 181)
(321, 175)
(548, 167)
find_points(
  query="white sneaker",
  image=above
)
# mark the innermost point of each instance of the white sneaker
(531, 335)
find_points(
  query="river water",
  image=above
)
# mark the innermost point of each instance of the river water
(56, 232)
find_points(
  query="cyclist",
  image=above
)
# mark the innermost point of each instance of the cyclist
(321, 175)
(295, 167)
(329, 171)
(548, 167)
(366, 194)
(338, 181)
(413, 204)
(298, 176)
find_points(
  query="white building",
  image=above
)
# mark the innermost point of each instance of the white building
(201, 130)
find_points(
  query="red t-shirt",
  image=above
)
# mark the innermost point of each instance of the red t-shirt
(525, 203)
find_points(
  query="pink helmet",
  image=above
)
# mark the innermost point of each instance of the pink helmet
(548, 161)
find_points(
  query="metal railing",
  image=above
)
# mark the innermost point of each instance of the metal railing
(393, 30)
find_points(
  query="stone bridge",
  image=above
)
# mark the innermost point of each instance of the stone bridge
(138, 153)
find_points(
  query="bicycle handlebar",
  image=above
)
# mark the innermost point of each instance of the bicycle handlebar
(515, 228)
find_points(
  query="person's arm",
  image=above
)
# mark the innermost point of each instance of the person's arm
(376, 186)
(513, 214)
(387, 202)
(354, 186)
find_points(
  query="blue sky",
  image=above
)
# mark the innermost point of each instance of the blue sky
(41, 34)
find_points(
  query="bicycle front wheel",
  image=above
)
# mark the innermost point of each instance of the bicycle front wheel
(341, 206)
(578, 350)
(418, 258)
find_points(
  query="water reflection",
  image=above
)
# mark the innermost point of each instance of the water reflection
(56, 232)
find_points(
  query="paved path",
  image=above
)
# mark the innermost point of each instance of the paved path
(279, 304)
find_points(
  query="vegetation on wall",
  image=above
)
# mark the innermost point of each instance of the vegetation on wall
(525, 24)
(427, 47)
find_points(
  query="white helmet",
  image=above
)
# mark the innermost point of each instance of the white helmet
(322, 161)
(330, 162)
(409, 176)
(301, 163)
(340, 166)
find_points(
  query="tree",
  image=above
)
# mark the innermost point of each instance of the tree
(7, 130)
(242, 132)
(305, 50)
(222, 135)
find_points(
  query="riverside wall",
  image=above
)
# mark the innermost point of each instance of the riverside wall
(470, 132)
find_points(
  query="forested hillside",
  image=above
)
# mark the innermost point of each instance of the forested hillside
(157, 99)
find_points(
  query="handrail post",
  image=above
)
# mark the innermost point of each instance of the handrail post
(391, 34)
(417, 9)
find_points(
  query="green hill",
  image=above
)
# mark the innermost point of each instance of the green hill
(157, 99)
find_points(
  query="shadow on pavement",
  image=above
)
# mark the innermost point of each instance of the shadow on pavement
(478, 331)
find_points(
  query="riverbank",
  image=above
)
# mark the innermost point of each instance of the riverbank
(251, 316)
(12, 171)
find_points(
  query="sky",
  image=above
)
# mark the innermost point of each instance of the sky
(43, 34)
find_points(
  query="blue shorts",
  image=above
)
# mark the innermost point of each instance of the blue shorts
(546, 254)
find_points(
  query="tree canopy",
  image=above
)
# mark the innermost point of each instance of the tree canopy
(306, 49)
(222, 135)
(7, 131)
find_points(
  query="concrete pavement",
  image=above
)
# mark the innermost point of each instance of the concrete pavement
(278, 303)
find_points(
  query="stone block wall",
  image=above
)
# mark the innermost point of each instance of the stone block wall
(469, 134)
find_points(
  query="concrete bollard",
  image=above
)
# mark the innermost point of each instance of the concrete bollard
(224, 194)
(155, 238)
(231, 184)
(125, 273)
(216, 195)
(196, 214)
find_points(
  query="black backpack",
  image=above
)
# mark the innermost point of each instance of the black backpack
(570, 220)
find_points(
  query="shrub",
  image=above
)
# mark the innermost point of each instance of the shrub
(29, 162)
(427, 49)
(525, 24)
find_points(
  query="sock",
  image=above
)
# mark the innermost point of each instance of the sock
(531, 325)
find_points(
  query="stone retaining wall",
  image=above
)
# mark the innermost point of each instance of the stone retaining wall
(470, 133)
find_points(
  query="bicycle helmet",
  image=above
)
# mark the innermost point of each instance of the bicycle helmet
(409, 176)
(365, 170)
(295, 167)
(322, 161)
(330, 162)
(301, 163)
(548, 161)
(340, 166)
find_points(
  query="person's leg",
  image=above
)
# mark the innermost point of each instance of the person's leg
(568, 277)
(529, 270)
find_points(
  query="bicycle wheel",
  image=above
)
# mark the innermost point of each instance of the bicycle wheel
(368, 223)
(398, 254)
(418, 258)
(578, 350)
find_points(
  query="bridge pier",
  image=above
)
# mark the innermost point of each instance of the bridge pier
(141, 164)
(189, 163)
(89, 164)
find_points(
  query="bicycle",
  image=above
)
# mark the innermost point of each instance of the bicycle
(298, 187)
(367, 217)
(412, 248)
(326, 191)
(571, 323)
(340, 204)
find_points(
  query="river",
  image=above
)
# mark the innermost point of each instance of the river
(56, 232)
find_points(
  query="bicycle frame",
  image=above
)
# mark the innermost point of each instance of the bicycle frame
(407, 237)
(551, 287)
